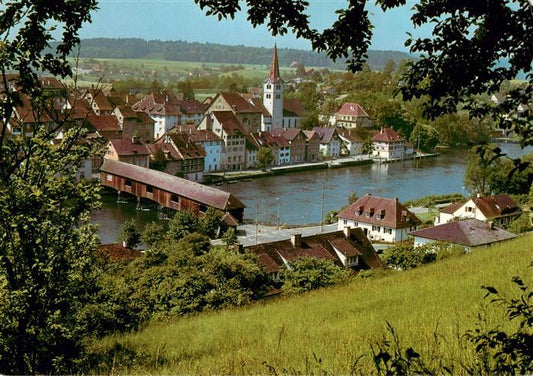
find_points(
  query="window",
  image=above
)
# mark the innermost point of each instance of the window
(269, 86)
(278, 96)
(128, 183)
(175, 199)
(149, 189)
(345, 222)
(268, 96)
(109, 177)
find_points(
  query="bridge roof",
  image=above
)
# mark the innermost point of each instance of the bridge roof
(194, 191)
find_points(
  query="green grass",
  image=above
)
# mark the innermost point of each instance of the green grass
(336, 324)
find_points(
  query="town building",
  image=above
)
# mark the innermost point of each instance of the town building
(330, 142)
(134, 123)
(499, 209)
(381, 219)
(348, 248)
(208, 140)
(296, 139)
(468, 233)
(183, 158)
(312, 146)
(244, 111)
(163, 108)
(130, 151)
(351, 115)
(388, 144)
(233, 136)
(352, 143)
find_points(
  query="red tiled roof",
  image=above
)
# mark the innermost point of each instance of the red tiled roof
(126, 147)
(350, 135)
(293, 107)
(387, 135)
(159, 104)
(289, 134)
(103, 122)
(196, 135)
(379, 211)
(351, 109)
(452, 208)
(325, 134)
(258, 103)
(101, 100)
(310, 135)
(496, 205)
(229, 122)
(194, 191)
(238, 103)
(470, 232)
(192, 106)
(320, 246)
(127, 111)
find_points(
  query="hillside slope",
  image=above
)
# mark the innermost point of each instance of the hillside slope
(328, 329)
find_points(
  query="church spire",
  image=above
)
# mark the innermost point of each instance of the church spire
(274, 67)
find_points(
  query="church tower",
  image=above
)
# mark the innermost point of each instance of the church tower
(273, 87)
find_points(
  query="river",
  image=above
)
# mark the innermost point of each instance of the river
(305, 197)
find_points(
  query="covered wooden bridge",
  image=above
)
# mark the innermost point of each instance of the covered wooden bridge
(167, 190)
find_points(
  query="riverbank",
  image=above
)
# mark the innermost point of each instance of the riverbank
(229, 177)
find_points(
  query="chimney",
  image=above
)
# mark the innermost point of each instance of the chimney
(296, 240)
(135, 140)
(347, 231)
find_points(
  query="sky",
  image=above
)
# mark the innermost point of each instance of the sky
(183, 20)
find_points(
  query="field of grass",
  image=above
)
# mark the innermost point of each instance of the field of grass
(327, 330)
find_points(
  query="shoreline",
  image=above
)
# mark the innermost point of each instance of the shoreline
(228, 177)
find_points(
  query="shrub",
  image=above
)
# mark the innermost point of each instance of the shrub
(310, 273)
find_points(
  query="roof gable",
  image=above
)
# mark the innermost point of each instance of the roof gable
(173, 184)
(379, 211)
(470, 232)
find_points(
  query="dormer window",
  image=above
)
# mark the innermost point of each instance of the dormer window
(370, 212)
(359, 210)
(381, 214)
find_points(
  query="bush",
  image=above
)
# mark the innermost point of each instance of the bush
(309, 273)
(406, 256)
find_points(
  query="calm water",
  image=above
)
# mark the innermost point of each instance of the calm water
(298, 196)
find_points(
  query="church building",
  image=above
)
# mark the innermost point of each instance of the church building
(284, 113)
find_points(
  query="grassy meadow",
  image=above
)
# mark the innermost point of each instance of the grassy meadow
(327, 330)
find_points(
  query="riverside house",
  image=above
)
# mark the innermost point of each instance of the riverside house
(381, 219)
(500, 209)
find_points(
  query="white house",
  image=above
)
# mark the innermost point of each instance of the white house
(388, 144)
(382, 219)
(499, 209)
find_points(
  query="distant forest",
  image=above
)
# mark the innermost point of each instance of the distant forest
(136, 48)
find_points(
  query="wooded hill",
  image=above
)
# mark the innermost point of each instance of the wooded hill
(136, 48)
